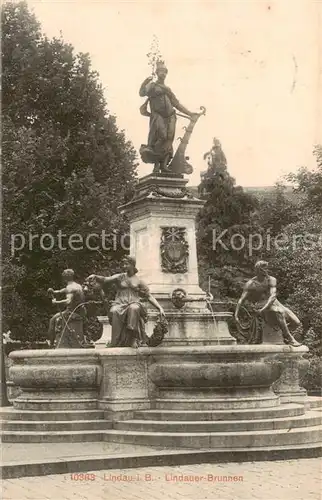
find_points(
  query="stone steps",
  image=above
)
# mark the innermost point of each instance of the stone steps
(57, 425)
(287, 410)
(53, 405)
(315, 402)
(27, 426)
(219, 429)
(52, 436)
(200, 440)
(219, 440)
(13, 414)
(314, 418)
(224, 403)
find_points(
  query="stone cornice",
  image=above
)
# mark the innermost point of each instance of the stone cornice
(168, 194)
(161, 206)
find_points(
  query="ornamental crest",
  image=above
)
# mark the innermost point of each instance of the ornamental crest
(174, 250)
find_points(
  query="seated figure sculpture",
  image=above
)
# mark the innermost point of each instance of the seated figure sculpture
(128, 313)
(66, 327)
(261, 289)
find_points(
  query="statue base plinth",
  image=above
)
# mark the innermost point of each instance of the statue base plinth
(106, 337)
(162, 217)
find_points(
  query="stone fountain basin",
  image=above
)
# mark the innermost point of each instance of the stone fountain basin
(122, 380)
(222, 366)
(59, 368)
(194, 366)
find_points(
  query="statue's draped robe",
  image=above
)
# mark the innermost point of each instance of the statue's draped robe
(128, 314)
(259, 296)
(162, 121)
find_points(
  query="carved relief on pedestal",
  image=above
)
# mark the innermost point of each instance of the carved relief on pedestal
(174, 249)
(170, 192)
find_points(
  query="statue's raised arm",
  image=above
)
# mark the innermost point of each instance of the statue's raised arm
(103, 280)
(146, 86)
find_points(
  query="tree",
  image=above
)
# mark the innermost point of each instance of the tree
(279, 208)
(308, 184)
(311, 380)
(66, 171)
(229, 211)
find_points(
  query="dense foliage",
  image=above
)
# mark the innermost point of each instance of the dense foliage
(66, 169)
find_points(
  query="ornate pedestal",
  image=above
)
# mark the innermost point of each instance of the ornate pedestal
(106, 337)
(163, 240)
(288, 386)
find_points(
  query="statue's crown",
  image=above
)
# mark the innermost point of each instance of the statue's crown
(160, 64)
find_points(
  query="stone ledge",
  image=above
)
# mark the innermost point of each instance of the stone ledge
(287, 410)
(198, 341)
(12, 414)
(54, 404)
(144, 425)
(164, 179)
(55, 353)
(206, 350)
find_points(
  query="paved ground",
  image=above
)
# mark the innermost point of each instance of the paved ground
(282, 480)
(35, 452)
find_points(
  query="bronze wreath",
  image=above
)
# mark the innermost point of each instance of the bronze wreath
(159, 331)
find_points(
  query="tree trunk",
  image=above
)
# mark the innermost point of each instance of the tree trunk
(4, 397)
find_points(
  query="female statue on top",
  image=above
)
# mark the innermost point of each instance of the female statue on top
(163, 103)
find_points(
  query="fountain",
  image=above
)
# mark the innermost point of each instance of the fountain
(198, 390)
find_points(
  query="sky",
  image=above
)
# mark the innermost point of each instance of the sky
(255, 65)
